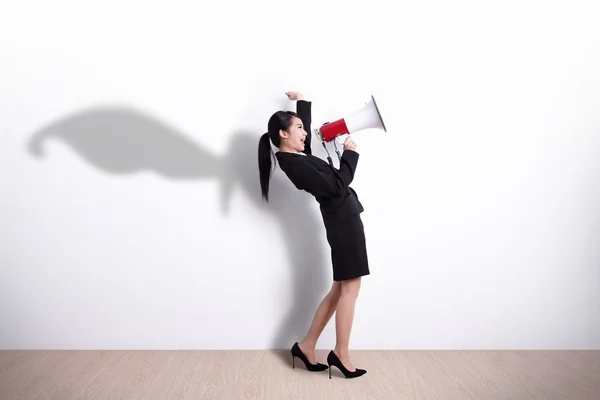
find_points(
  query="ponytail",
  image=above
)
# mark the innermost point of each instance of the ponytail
(264, 164)
(280, 120)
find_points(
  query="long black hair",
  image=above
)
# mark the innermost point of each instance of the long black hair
(281, 120)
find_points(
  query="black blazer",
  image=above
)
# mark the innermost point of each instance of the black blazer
(329, 185)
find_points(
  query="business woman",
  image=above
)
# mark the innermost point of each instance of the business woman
(340, 208)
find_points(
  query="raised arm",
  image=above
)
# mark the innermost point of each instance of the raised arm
(303, 108)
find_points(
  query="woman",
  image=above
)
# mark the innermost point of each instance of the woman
(340, 209)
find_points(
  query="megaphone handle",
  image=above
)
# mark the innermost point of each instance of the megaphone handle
(329, 156)
(337, 151)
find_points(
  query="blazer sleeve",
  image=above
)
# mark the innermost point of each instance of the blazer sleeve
(306, 177)
(303, 109)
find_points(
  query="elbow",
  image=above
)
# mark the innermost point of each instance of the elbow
(337, 191)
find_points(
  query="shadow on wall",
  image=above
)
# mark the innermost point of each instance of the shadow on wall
(124, 141)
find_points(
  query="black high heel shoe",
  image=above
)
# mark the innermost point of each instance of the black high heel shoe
(296, 352)
(332, 359)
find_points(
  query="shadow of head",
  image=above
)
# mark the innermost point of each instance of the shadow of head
(120, 140)
(125, 141)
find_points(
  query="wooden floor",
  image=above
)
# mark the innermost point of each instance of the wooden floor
(444, 375)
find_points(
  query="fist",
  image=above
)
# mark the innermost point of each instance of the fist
(294, 95)
(350, 144)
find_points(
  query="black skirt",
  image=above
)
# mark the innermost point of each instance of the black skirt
(348, 248)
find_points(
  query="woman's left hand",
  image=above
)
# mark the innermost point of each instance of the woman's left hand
(294, 95)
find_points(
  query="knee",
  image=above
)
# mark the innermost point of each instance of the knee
(351, 288)
(336, 290)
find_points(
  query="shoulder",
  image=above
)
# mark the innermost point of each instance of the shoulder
(291, 158)
(298, 162)
(299, 158)
(286, 154)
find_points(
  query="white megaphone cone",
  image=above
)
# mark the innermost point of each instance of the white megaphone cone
(368, 117)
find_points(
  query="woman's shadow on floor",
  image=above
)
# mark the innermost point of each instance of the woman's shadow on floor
(124, 141)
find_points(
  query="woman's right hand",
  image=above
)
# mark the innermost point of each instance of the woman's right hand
(294, 95)
(350, 144)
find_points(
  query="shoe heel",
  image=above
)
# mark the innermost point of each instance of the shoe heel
(296, 352)
(332, 359)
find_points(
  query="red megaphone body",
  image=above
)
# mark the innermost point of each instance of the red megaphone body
(366, 118)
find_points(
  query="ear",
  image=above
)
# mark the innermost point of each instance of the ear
(283, 134)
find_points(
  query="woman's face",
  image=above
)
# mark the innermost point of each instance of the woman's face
(295, 135)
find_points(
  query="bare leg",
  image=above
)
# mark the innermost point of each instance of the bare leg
(344, 319)
(322, 316)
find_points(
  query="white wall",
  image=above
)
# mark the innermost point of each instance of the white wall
(130, 211)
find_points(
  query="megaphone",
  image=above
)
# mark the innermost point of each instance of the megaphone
(366, 118)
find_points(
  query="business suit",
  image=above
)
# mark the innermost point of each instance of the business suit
(339, 203)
